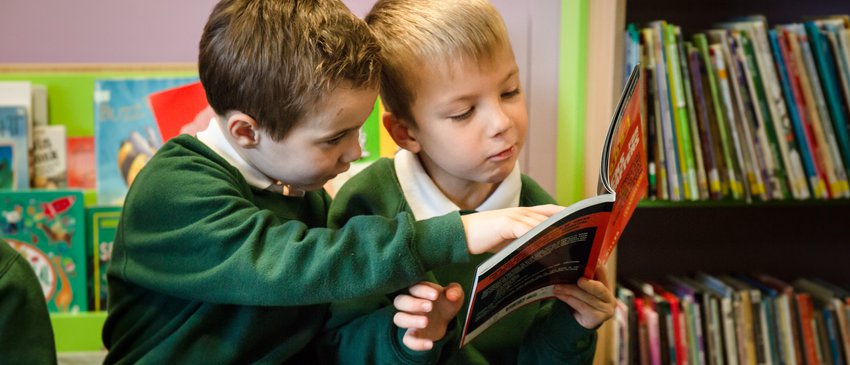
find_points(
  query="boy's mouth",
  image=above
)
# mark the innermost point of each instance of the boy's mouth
(504, 154)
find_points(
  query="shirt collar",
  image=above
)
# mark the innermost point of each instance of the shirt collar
(426, 200)
(213, 137)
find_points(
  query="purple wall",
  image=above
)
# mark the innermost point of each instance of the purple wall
(102, 31)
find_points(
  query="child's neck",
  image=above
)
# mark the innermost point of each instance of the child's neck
(466, 195)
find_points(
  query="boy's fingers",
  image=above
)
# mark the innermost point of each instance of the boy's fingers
(415, 343)
(597, 289)
(407, 303)
(410, 321)
(602, 274)
(426, 290)
(547, 209)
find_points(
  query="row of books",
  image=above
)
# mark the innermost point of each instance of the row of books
(746, 111)
(67, 244)
(732, 319)
(132, 118)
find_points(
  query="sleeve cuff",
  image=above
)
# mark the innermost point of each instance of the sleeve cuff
(441, 240)
(562, 331)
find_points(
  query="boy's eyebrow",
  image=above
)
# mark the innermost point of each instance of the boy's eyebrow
(341, 131)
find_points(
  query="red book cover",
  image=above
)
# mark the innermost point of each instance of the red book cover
(805, 311)
(81, 163)
(183, 109)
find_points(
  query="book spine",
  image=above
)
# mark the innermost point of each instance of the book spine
(731, 126)
(680, 116)
(829, 105)
(674, 177)
(782, 62)
(696, 143)
(735, 186)
(776, 175)
(779, 114)
(749, 139)
(811, 120)
(704, 126)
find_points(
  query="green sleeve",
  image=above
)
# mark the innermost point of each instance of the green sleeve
(192, 229)
(26, 335)
(556, 338)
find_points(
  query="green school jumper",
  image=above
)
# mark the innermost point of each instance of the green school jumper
(208, 270)
(540, 333)
(26, 335)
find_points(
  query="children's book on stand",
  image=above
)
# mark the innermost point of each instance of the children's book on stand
(181, 110)
(81, 162)
(48, 228)
(126, 133)
(50, 157)
(101, 226)
(574, 242)
(14, 153)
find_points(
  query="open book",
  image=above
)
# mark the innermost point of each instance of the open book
(574, 242)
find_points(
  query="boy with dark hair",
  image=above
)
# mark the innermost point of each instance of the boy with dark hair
(454, 104)
(221, 254)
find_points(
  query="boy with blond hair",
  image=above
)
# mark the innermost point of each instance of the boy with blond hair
(222, 254)
(454, 105)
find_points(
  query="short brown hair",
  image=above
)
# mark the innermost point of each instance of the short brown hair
(275, 59)
(416, 33)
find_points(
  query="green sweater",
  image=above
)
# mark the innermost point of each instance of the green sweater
(543, 332)
(207, 269)
(26, 336)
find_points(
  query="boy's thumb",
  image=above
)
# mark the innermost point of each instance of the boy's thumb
(454, 292)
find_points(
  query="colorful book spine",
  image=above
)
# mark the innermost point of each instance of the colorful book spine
(731, 127)
(710, 155)
(694, 136)
(796, 71)
(679, 106)
(829, 78)
(749, 139)
(779, 112)
(813, 92)
(817, 187)
(777, 177)
(729, 157)
(671, 155)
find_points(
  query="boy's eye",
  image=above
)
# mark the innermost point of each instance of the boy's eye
(334, 141)
(510, 94)
(462, 116)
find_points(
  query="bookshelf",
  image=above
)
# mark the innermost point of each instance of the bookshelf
(788, 239)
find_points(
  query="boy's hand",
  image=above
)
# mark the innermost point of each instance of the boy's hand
(592, 300)
(426, 313)
(491, 230)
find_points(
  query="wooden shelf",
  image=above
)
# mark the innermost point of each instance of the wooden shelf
(787, 239)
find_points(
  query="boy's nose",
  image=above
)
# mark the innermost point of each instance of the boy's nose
(353, 152)
(500, 122)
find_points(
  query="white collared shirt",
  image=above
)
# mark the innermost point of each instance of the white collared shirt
(426, 200)
(214, 138)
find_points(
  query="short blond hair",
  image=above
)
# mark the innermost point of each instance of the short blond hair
(275, 59)
(417, 33)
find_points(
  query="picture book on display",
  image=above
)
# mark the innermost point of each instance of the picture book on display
(102, 225)
(126, 133)
(48, 228)
(181, 110)
(575, 242)
(14, 153)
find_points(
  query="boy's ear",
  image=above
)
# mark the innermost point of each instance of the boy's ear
(243, 129)
(401, 133)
